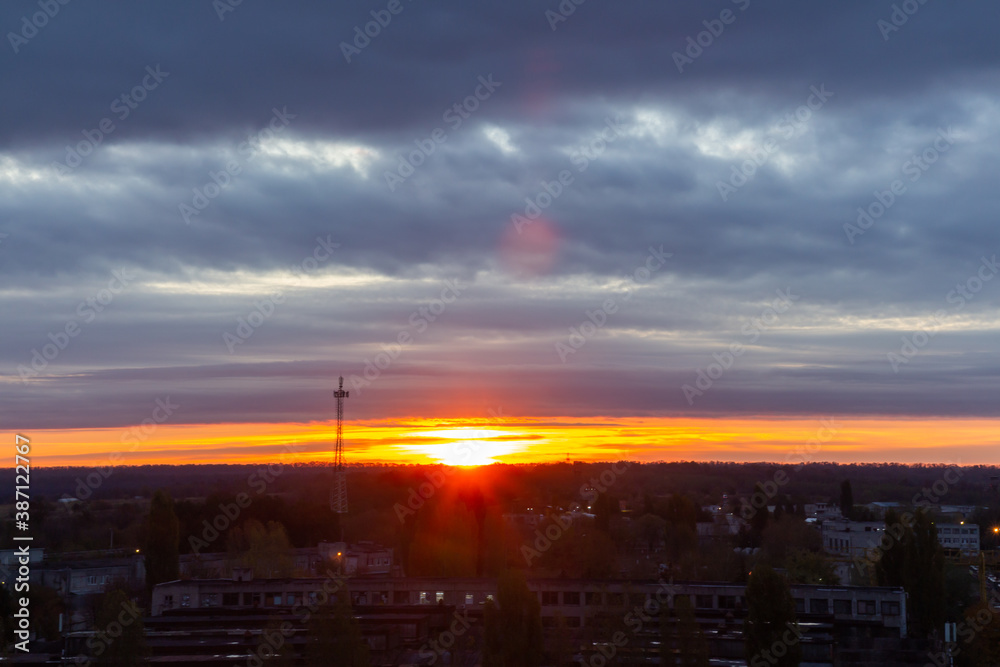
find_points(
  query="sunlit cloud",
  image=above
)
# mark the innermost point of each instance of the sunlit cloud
(500, 138)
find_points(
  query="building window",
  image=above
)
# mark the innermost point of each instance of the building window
(401, 597)
(571, 597)
(678, 597)
(866, 607)
(572, 621)
(842, 607)
(800, 605)
(819, 606)
(423, 598)
(637, 599)
(230, 599)
(890, 608)
(439, 596)
(704, 602)
(727, 601)
(168, 601)
(209, 599)
(594, 599)
(550, 598)
(470, 599)
(186, 600)
(616, 600)
(276, 599)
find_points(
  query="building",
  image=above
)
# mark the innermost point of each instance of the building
(856, 539)
(403, 616)
(961, 537)
(79, 576)
(879, 509)
(823, 511)
(721, 527)
(361, 559)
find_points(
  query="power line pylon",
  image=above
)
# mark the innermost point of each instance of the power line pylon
(338, 494)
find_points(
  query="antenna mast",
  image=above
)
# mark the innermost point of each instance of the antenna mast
(338, 494)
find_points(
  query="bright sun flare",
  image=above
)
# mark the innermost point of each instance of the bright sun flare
(466, 446)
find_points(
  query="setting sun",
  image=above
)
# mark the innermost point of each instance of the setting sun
(466, 446)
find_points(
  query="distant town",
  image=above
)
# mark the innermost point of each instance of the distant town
(561, 564)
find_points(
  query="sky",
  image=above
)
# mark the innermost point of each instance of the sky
(598, 230)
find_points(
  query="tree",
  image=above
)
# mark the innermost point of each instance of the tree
(846, 499)
(46, 605)
(513, 626)
(958, 594)
(759, 519)
(284, 653)
(782, 539)
(334, 637)
(561, 646)
(120, 639)
(580, 551)
(7, 621)
(983, 648)
(889, 563)
(265, 549)
(680, 540)
(923, 576)
(770, 615)
(475, 502)
(162, 538)
(811, 567)
(650, 529)
(604, 508)
(914, 560)
(684, 634)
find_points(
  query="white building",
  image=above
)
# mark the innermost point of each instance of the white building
(823, 510)
(854, 539)
(962, 537)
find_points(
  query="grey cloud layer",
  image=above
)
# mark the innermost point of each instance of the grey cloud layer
(323, 175)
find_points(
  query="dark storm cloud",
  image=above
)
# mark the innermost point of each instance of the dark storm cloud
(225, 71)
(212, 87)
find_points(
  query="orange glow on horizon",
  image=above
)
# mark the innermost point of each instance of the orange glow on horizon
(533, 440)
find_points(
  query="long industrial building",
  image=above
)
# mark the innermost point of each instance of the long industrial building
(403, 619)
